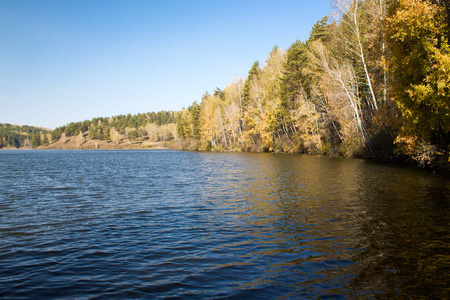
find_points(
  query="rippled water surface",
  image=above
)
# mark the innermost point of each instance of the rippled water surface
(189, 225)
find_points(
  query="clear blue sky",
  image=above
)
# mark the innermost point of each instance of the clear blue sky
(67, 61)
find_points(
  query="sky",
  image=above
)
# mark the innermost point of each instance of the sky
(65, 61)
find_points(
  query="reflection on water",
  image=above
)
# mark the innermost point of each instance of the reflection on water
(405, 233)
(167, 224)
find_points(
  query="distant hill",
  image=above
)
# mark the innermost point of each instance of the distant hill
(144, 130)
(15, 136)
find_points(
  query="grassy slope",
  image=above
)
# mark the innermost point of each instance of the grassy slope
(72, 143)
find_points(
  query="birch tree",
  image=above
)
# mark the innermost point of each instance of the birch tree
(150, 128)
(233, 111)
(339, 84)
(114, 135)
(351, 36)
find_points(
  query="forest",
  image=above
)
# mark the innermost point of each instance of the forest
(18, 136)
(155, 126)
(372, 80)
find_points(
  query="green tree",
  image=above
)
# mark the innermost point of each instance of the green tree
(45, 140)
(291, 84)
(194, 111)
(246, 90)
(132, 135)
(320, 31)
(181, 124)
(219, 93)
(36, 140)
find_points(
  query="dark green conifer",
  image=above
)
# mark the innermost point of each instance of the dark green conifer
(246, 90)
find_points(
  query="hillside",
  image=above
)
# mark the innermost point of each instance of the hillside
(15, 136)
(145, 130)
(372, 83)
(85, 142)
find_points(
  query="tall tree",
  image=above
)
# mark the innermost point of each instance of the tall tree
(265, 99)
(291, 85)
(352, 38)
(194, 111)
(419, 64)
(251, 75)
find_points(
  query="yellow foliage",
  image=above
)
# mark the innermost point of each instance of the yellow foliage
(420, 64)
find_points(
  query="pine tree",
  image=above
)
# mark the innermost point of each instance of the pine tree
(194, 110)
(292, 76)
(246, 90)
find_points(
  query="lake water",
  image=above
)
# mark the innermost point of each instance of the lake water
(190, 225)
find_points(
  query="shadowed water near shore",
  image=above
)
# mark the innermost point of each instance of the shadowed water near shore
(169, 224)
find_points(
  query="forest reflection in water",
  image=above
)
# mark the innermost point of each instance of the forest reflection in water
(384, 228)
(169, 224)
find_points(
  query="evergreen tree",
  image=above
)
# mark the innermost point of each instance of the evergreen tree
(320, 31)
(45, 140)
(180, 126)
(36, 140)
(246, 90)
(219, 93)
(194, 110)
(292, 76)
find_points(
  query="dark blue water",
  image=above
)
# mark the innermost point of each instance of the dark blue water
(189, 225)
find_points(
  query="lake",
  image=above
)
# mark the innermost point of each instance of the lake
(160, 224)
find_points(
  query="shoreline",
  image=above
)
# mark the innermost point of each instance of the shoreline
(395, 162)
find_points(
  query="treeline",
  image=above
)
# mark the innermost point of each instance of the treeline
(100, 127)
(372, 80)
(154, 126)
(18, 136)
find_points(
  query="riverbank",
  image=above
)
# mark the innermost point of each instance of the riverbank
(74, 143)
